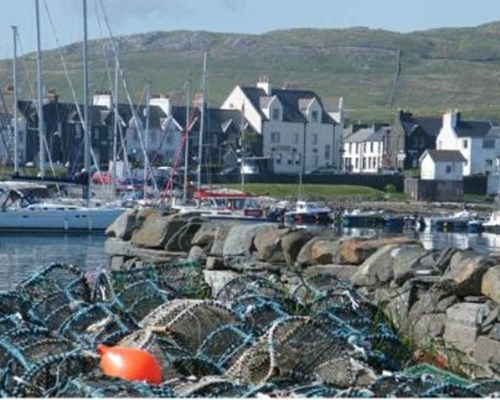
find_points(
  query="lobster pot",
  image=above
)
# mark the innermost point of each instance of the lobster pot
(248, 284)
(37, 365)
(56, 277)
(96, 324)
(98, 386)
(183, 279)
(13, 303)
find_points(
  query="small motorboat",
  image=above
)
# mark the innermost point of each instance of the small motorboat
(493, 223)
(363, 219)
(457, 222)
(308, 213)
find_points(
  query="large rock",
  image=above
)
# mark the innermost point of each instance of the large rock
(466, 270)
(462, 324)
(487, 351)
(356, 251)
(216, 280)
(122, 248)
(293, 242)
(156, 230)
(239, 241)
(268, 244)
(396, 304)
(427, 328)
(220, 236)
(377, 268)
(406, 263)
(344, 272)
(490, 283)
(181, 239)
(123, 226)
(204, 237)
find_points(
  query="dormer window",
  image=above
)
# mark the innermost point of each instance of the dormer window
(276, 114)
(314, 116)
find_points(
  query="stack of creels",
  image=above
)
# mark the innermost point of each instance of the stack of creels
(183, 279)
(96, 385)
(249, 284)
(35, 364)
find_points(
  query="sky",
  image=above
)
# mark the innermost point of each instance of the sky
(241, 16)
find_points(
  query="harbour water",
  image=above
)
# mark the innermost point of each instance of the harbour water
(22, 255)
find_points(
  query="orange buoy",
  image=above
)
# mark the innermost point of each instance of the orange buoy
(130, 364)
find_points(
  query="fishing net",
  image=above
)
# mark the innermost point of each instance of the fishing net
(248, 284)
(209, 387)
(13, 303)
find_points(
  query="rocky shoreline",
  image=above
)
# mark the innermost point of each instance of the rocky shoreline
(232, 310)
(450, 297)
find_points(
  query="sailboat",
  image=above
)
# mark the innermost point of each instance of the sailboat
(54, 215)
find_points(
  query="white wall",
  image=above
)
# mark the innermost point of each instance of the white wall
(355, 152)
(429, 170)
(291, 137)
(238, 101)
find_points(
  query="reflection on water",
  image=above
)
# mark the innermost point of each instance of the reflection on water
(484, 243)
(22, 255)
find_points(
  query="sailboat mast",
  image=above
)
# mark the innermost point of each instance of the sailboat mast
(86, 133)
(41, 132)
(14, 80)
(202, 122)
(115, 122)
(147, 167)
(186, 146)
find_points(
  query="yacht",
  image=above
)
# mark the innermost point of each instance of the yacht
(308, 213)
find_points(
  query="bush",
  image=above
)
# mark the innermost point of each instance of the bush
(390, 188)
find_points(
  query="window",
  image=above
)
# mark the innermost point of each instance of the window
(488, 143)
(278, 158)
(297, 159)
(350, 147)
(314, 116)
(465, 143)
(489, 163)
(315, 161)
(275, 137)
(357, 147)
(448, 169)
(315, 138)
(296, 138)
(276, 114)
(327, 152)
(371, 147)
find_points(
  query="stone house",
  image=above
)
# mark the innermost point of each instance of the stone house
(296, 131)
(410, 136)
(478, 141)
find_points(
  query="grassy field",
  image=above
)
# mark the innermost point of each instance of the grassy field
(311, 191)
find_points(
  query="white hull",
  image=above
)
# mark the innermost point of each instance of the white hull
(53, 217)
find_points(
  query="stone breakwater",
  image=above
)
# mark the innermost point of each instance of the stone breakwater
(234, 310)
(447, 303)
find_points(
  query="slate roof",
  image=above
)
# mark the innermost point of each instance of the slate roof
(216, 120)
(291, 99)
(444, 155)
(430, 125)
(368, 135)
(474, 129)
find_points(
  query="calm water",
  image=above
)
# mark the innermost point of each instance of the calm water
(21, 255)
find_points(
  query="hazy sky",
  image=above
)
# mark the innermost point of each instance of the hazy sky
(247, 16)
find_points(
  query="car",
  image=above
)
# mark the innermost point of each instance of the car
(324, 170)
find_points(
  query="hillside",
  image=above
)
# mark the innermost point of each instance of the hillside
(376, 71)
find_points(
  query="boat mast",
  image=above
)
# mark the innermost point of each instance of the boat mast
(41, 161)
(202, 122)
(115, 122)
(186, 146)
(86, 133)
(14, 80)
(147, 167)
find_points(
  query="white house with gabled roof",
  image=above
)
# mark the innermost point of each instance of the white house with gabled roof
(477, 141)
(297, 132)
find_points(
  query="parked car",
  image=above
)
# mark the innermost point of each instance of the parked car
(324, 170)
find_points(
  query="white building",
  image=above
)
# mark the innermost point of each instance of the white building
(478, 141)
(297, 132)
(443, 165)
(364, 150)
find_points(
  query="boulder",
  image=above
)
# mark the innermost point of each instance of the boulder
(323, 251)
(427, 328)
(220, 236)
(204, 237)
(462, 324)
(487, 351)
(181, 240)
(396, 304)
(356, 251)
(214, 263)
(377, 268)
(123, 226)
(239, 241)
(490, 283)
(406, 262)
(118, 247)
(156, 230)
(292, 242)
(344, 272)
(197, 254)
(268, 245)
(466, 271)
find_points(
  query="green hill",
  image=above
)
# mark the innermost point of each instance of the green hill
(376, 71)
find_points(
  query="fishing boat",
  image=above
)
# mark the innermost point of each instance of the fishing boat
(493, 223)
(458, 222)
(361, 218)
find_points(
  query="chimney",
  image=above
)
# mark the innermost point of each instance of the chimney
(451, 118)
(163, 102)
(264, 84)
